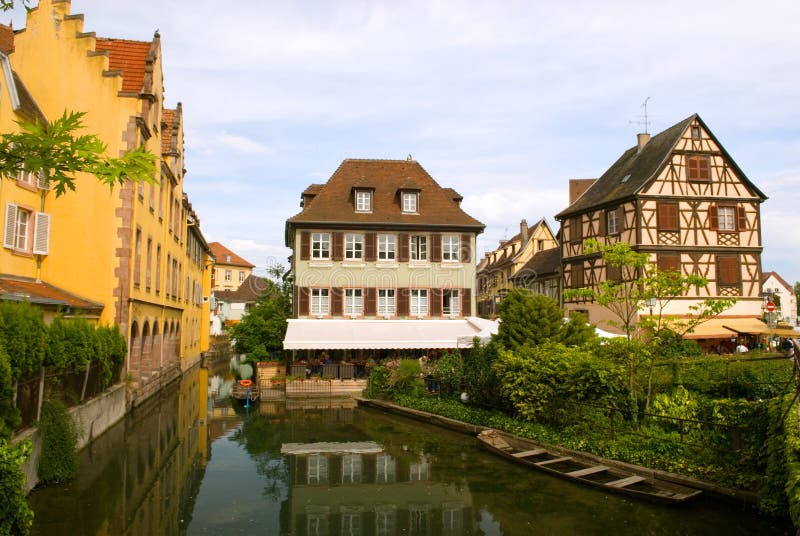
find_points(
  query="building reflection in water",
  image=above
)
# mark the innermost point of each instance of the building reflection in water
(353, 488)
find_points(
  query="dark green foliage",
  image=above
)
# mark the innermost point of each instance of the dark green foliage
(9, 415)
(388, 382)
(449, 373)
(528, 319)
(577, 331)
(773, 498)
(111, 352)
(262, 329)
(23, 334)
(668, 344)
(70, 343)
(59, 459)
(378, 383)
(480, 379)
(16, 517)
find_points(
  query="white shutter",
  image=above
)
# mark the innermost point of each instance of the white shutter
(11, 225)
(41, 236)
(41, 181)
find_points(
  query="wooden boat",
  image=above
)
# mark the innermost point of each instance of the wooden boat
(610, 476)
(244, 389)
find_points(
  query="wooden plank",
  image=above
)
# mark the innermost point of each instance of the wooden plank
(588, 471)
(554, 460)
(626, 481)
(527, 453)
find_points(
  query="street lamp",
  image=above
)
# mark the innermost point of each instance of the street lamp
(651, 302)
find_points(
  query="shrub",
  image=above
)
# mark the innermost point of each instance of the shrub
(528, 319)
(449, 373)
(23, 334)
(9, 415)
(59, 459)
(112, 350)
(70, 343)
(405, 379)
(480, 379)
(16, 517)
(378, 383)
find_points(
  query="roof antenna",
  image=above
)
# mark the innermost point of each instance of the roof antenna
(644, 122)
(409, 157)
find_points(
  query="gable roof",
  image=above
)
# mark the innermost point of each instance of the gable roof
(220, 252)
(127, 56)
(249, 291)
(782, 281)
(640, 167)
(333, 202)
(545, 262)
(504, 260)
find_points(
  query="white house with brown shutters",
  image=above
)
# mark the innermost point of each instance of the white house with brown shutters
(382, 241)
(682, 199)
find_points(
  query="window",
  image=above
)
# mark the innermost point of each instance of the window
(450, 247)
(540, 244)
(148, 268)
(353, 302)
(668, 217)
(363, 201)
(320, 246)
(241, 277)
(419, 302)
(576, 271)
(228, 275)
(351, 468)
(727, 218)
(317, 469)
(410, 202)
(728, 273)
(137, 267)
(319, 301)
(17, 231)
(612, 225)
(386, 247)
(695, 133)
(575, 229)
(386, 303)
(158, 268)
(669, 262)
(385, 469)
(698, 168)
(418, 248)
(27, 177)
(451, 304)
(353, 247)
(613, 273)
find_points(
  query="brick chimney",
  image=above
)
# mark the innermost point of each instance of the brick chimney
(577, 187)
(641, 140)
(523, 231)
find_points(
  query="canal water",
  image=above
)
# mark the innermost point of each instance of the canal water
(189, 462)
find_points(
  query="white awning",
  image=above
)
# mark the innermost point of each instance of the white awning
(345, 334)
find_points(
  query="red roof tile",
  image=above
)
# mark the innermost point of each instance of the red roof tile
(126, 56)
(333, 203)
(221, 253)
(782, 281)
(39, 292)
(167, 126)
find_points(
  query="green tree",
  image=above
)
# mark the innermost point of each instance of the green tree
(23, 334)
(263, 328)
(528, 319)
(59, 152)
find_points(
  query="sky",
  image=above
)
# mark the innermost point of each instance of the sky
(503, 101)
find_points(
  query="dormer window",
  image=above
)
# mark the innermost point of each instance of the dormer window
(227, 258)
(363, 201)
(410, 202)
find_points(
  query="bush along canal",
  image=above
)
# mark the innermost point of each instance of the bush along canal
(188, 463)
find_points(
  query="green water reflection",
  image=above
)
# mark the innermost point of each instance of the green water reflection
(188, 463)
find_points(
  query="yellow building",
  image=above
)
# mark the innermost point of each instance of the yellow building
(497, 270)
(135, 254)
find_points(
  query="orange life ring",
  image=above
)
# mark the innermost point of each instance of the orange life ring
(245, 383)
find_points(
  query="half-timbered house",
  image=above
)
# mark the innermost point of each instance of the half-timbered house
(680, 197)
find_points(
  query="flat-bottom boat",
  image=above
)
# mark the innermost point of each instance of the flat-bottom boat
(245, 390)
(609, 477)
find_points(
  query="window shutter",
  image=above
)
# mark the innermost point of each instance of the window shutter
(667, 217)
(42, 182)
(613, 273)
(338, 247)
(370, 251)
(601, 223)
(741, 218)
(466, 302)
(303, 294)
(11, 221)
(41, 236)
(336, 308)
(403, 247)
(402, 302)
(620, 219)
(669, 262)
(713, 217)
(436, 248)
(728, 270)
(305, 246)
(466, 249)
(370, 305)
(435, 302)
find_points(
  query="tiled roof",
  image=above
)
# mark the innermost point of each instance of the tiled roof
(221, 253)
(638, 168)
(129, 57)
(249, 291)
(544, 263)
(39, 292)
(168, 124)
(334, 201)
(313, 189)
(503, 260)
(782, 281)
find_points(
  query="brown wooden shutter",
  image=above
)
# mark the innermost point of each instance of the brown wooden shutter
(303, 294)
(402, 301)
(667, 217)
(466, 302)
(305, 246)
(613, 273)
(370, 250)
(669, 262)
(620, 219)
(402, 247)
(337, 308)
(466, 249)
(435, 302)
(338, 247)
(370, 303)
(713, 217)
(601, 223)
(741, 218)
(436, 248)
(728, 272)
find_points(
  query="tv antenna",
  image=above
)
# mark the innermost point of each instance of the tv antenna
(644, 121)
